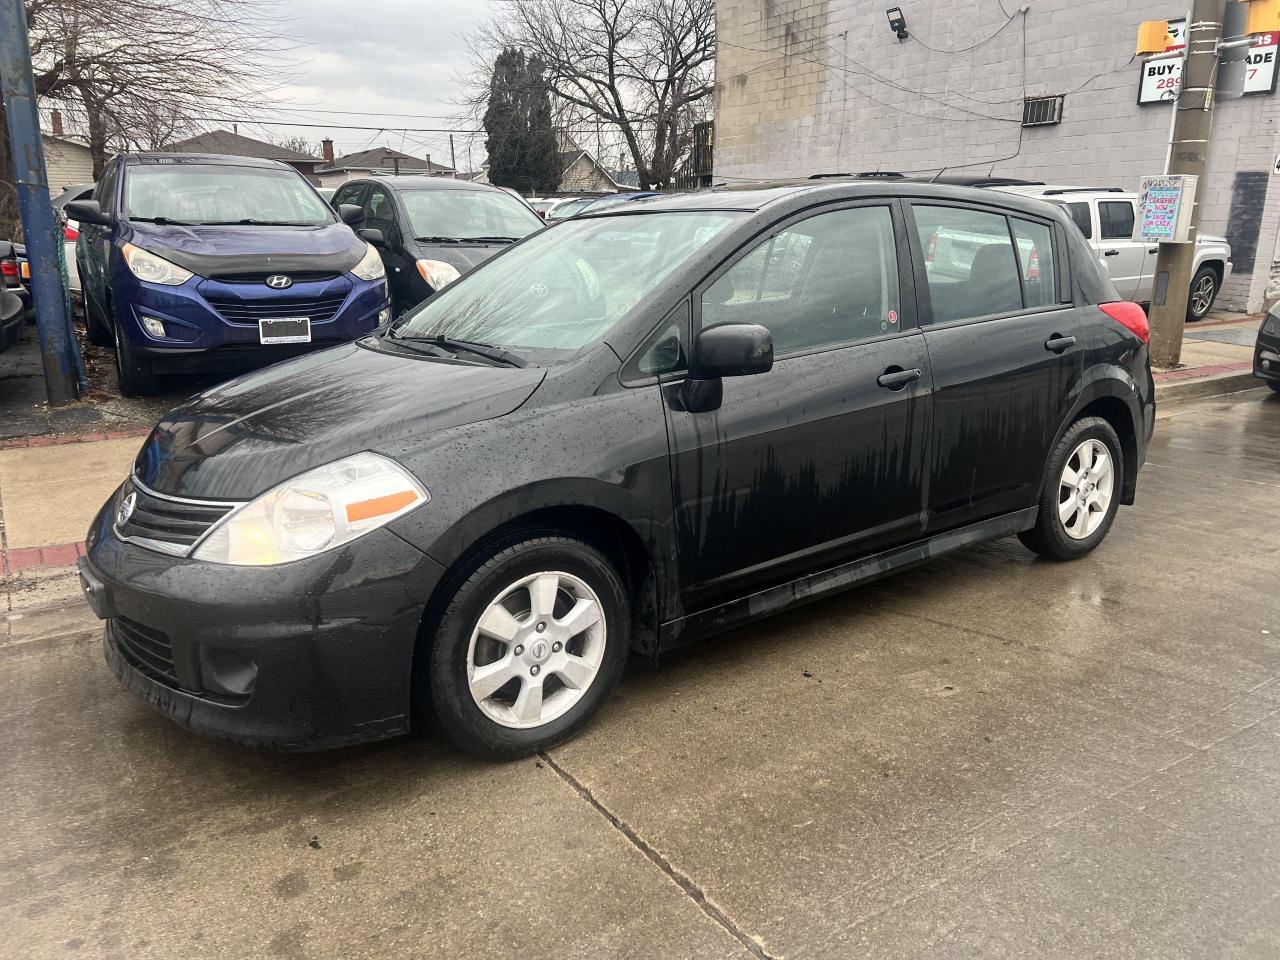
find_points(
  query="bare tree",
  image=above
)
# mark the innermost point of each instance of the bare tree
(129, 71)
(295, 142)
(641, 68)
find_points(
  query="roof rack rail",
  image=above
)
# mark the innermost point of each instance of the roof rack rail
(1057, 191)
(881, 175)
(827, 176)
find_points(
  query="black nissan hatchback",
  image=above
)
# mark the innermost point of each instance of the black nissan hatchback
(621, 434)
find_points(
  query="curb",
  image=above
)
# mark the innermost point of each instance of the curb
(1172, 391)
(42, 440)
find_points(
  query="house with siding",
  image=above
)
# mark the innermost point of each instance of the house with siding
(378, 160)
(232, 143)
(67, 159)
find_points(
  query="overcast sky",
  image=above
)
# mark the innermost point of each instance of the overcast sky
(378, 57)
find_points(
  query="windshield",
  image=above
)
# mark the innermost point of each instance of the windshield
(566, 287)
(570, 208)
(191, 193)
(462, 214)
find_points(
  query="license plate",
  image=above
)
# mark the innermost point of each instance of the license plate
(285, 330)
(26, 270)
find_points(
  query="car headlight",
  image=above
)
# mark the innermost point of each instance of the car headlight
(438, 273)
(315, 511)
(145, 265)
(370, 266)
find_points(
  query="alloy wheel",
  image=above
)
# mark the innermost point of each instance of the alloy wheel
(1202, 296)
(536, 649)
(1085, 489)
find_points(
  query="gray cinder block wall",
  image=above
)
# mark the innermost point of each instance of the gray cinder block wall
(813, 86)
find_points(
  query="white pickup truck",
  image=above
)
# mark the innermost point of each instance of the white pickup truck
(1106, 217)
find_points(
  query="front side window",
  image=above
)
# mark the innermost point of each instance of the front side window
(829, 279)
(468, 214)
(564, 288)
(1115, 219)
(969, 261)
(380, 213)
(222, 194)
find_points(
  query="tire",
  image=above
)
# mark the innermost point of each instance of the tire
(1204, 291)
(96, 327)
(1274, 385)
(1059, 535)
(136, 374)
(575, 672)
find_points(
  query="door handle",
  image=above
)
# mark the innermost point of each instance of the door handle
(1153, 250)
(1112, 253)
(1059, 344)
(895, 378)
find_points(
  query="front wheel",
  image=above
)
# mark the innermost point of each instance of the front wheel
(530, 645)
(1274, 385)
(1081, 492)
(1204, 290)
(136, 374)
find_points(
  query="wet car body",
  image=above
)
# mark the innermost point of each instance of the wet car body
(719, 499)
(1266, 352)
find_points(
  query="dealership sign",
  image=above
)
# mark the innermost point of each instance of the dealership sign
(1162, 75)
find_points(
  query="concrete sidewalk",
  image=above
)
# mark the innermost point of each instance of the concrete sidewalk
(1217, 358)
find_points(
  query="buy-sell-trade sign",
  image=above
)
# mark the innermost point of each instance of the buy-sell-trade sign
(1162, 75)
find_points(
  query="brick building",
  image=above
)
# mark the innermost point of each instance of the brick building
(821, 86)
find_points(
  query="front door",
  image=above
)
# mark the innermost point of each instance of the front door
(821, 459)
(1006, 354)
(380, 214)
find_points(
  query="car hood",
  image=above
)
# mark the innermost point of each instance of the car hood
(463, 257)
(243, 437)
(229, 250)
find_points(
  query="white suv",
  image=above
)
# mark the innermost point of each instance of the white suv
(1106, 217)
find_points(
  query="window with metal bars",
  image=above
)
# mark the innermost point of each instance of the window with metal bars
(1041, 111)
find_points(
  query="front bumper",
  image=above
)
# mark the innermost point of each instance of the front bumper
(306, 655)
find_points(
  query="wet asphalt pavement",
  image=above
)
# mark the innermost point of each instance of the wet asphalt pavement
(988, 756)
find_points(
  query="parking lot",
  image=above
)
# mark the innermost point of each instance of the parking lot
(987, 756)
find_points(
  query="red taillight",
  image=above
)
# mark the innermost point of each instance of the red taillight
(70, 234)
(1033, 265)
(9, 268)
(1131, 316)
(933, 248)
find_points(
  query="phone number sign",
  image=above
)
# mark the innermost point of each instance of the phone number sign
(1162, 76)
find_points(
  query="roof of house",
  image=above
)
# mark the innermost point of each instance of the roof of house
(625, 178)
(226, 143)
(383, 158)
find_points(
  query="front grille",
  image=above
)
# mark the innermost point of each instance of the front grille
(237, 310)
(260, 277)
(168, 520)
(146, 649)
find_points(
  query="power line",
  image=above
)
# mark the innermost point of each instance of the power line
(974, 46)
(336, 126)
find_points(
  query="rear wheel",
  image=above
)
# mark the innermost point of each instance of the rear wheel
(1204, 290)
(136, 374)
(530, 645)
(1081, 492)
(96, 327)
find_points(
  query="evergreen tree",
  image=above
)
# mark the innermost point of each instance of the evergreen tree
(520, 140)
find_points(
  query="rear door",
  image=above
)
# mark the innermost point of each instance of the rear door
(1004, 346)
(96, 239)
(820, 459)
(1124, 257)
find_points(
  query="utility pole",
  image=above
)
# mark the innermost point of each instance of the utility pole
(58, 348)
(1188, 153)
(453, 158)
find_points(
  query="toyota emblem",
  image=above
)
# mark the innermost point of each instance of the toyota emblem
(538, 289)
(126, 509)
(279, 281)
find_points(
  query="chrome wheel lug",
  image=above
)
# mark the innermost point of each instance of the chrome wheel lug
(557, 647)
(534, 670)
(519, 650)
(540, 627)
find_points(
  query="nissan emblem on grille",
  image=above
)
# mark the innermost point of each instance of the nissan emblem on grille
(279, 281)
(126, 509)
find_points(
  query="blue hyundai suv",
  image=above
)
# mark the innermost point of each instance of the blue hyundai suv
(191, 262)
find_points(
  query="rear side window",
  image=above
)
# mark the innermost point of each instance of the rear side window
(1115, 219)
(106, 187)
(1035, 258)
(1080, 214)
(969, 262)
(826, 280)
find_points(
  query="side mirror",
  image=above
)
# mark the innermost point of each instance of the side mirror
(373, 235)
(88, 211)
(732, 350)
(351, 213)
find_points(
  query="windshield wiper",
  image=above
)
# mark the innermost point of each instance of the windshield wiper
(496, 354)
(161, 221)
(491, 239)
(251, 222)
(440, 239)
